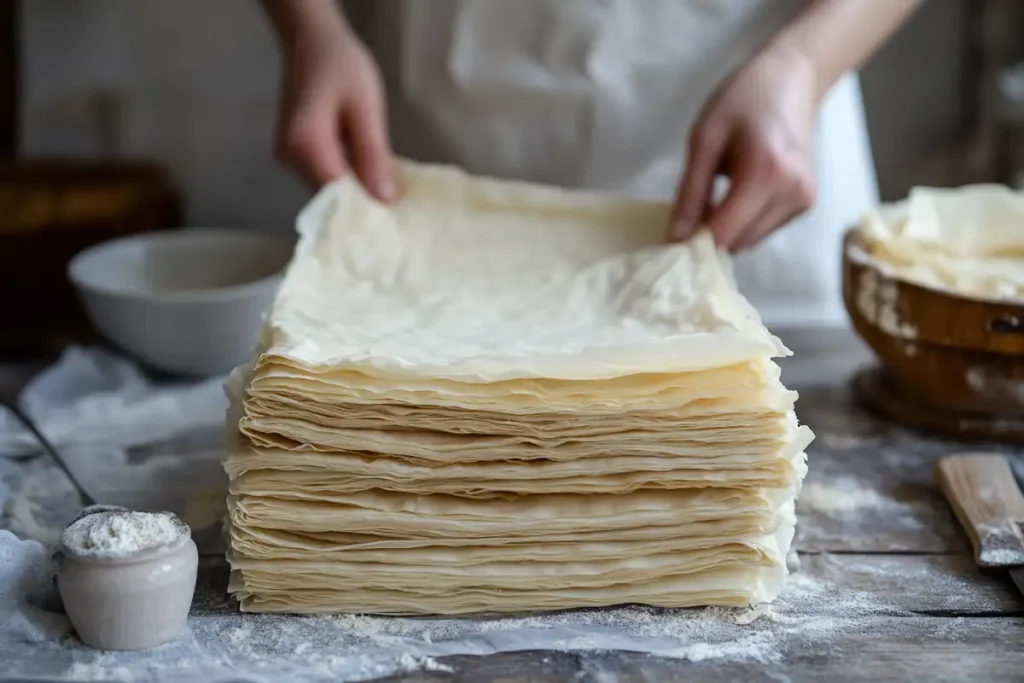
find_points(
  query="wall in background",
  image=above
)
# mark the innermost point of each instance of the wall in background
(918, 99)
(192, 83)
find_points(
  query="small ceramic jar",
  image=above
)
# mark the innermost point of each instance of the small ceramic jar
(129, 603)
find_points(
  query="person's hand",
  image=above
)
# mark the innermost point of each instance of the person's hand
(758, 130)
(333, 117)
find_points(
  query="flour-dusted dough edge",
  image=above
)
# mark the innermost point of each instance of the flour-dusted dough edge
(973, 221)
(696, 351)
(965, 241)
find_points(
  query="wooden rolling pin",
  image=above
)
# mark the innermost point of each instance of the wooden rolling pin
(987, 500)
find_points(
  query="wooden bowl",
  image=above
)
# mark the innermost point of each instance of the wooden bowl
(951, 352)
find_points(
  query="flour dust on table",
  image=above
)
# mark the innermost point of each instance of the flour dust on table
(223, 646)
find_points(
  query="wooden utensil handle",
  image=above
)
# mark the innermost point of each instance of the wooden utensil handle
(988, 502)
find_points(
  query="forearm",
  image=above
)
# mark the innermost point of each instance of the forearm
(298, 20)
(837, 36)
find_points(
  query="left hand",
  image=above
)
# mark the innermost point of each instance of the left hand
(758, 130)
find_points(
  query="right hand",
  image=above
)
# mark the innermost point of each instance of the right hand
(333, 116)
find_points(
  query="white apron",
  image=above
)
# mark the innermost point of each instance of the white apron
(601, 94)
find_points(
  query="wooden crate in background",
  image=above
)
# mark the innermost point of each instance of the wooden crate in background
(49, 211)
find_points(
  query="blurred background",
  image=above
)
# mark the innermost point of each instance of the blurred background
(190, 86)
(193, 85)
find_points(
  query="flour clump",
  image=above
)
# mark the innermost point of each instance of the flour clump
(117, 534)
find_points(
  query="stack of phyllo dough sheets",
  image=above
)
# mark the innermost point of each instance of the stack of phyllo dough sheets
(492, 396)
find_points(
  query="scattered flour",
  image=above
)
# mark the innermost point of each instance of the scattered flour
(221, 645)
(118, 534)
(840, 441)
(877, 300)
(841, 496)
(409, 663)
(1001, 544)
(758, 647)
(1002, 556)
(237, 637)
(100, 669)
(756, 613)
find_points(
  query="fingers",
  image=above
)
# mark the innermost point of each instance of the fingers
(371, 149)
(769, 188)
(333, 115)
(795, 197)
(746, 201)
(310, 143)
(703, 160)
(314, 144)
(775, 214)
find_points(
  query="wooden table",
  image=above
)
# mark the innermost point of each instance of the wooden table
(958, 626)
(942, 620)
(954, 623)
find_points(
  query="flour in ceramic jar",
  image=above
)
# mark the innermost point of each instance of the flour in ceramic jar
(123, 533)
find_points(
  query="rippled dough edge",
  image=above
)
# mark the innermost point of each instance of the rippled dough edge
(480, 280)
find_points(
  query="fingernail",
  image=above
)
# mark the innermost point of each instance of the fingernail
(387, 190)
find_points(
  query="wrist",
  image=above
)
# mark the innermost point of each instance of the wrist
(796, 56)
(301, 24)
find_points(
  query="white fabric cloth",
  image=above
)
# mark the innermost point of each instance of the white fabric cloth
(601, 94)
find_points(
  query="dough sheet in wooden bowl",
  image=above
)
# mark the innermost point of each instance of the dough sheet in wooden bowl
(966, 241)
(501, 397)
(934, 284)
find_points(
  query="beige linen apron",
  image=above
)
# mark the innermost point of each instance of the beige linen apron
(601, 94)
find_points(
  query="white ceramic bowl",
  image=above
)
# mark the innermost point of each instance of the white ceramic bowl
(187, 302)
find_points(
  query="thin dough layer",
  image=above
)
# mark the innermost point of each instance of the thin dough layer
(498, 397)
(964, 240)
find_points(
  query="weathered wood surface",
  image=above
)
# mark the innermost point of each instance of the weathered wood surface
(872, 523)
(933, 615)
(921, 584)
(854, 453)
(887, 649)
